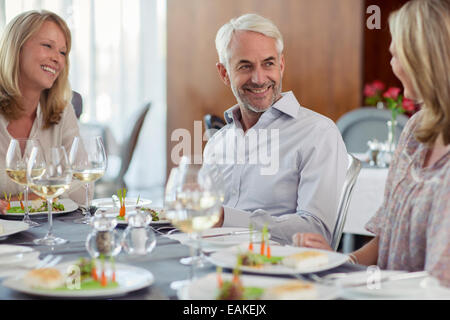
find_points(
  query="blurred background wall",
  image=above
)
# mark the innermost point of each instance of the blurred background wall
(330, 54)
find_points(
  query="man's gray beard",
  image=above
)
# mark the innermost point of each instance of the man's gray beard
(248, 106)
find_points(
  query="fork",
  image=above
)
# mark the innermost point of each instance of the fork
(48, 262)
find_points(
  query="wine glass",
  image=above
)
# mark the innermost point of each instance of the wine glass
(193, 202)
(49, 176)
(16, 169)
(88, 160)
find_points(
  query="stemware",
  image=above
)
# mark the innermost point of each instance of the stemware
(49, 176)
(16, 169)
(88, 160)
(193, 203)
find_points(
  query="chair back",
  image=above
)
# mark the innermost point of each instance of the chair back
(129, 144)
(213, 124)
(359, 126)
(353, 169)
(77, 103)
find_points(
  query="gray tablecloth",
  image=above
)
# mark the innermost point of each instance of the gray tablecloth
(163, 261)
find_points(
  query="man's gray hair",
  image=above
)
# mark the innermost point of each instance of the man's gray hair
(246, 22)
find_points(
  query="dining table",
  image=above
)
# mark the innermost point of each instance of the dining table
(163, 261)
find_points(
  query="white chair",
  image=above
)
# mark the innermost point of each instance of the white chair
(353, 169)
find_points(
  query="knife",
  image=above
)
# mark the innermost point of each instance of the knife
(333, 279)
(233, 233)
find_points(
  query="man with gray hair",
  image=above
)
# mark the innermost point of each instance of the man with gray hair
(297, 188)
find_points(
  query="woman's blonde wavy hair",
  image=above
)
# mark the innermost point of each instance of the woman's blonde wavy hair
(17, 32)
(421, 36)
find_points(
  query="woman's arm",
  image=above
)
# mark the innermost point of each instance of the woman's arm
(367, 255)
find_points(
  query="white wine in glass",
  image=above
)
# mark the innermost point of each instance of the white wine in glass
(16, 169)
(49, 184)
(88, 160)
(193, 203)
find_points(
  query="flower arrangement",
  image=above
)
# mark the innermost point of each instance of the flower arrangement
(375, 93)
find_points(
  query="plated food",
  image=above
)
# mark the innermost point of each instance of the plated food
(39, 208)
(280, 260)
(253, 287)
(82, 278)
(157, 216)
(37, 205)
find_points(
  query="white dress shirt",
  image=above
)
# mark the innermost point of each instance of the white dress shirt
(287, 171)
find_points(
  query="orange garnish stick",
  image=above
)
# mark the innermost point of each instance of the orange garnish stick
(113, 266)
(21, 203)
(94, 274)
(122, 211)
(219, 277)
(268, 250)
(94, 270)
(103, 281)
(250, 245)
(263, 240)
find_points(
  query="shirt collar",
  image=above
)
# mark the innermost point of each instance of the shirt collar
(287, 104)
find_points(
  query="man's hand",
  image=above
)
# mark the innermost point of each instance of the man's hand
(3, 205)
(310, 240)
(221, 218)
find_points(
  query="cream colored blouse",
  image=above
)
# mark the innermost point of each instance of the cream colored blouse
(61, 134)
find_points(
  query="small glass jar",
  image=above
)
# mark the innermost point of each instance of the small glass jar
(138, 238)
(103, 239)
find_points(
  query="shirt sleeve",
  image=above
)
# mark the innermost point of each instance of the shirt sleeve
(377, 221)
(437, 260)
(322, 173)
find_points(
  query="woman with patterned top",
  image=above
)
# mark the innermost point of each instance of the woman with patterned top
(412, 227)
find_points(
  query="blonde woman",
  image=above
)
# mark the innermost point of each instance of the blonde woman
(412, 227)
(35, 92)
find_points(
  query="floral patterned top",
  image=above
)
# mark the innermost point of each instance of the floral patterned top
(413, 223)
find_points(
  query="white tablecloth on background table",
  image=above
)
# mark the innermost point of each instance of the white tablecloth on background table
(367, 197)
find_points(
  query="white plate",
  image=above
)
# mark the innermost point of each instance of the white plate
(114, 212)
(129, 202)
(159, 222)
(69, 206)
(129, 278)
(11, 260)
(419, 288)
(12, 227)
(205, 288)
(227, 258)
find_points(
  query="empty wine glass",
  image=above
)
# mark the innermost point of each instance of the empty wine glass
(193, 202)
(16, 168)
(88, 160)
(49, 176)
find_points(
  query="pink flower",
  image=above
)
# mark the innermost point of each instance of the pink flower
(408, 105)
(392, 93)
(369, 90)
(378, 85)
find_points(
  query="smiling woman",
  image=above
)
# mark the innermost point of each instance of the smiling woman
(34, 88)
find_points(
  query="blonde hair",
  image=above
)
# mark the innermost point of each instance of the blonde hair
(17, 32)
(246, 22)
(421, 35)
